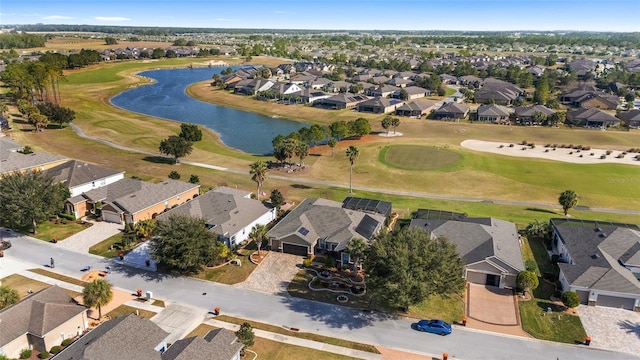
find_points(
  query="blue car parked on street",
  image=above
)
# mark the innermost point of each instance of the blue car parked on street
(434, 326)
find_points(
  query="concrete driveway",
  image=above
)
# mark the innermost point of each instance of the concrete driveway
(179, 320)
(274, 274)
(611, 329)
(82, 241)
(492, 305)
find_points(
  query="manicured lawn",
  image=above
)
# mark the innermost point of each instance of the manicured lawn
(229, 274)
(555, 326)
(49, 229)
(104, 248)
(416, 157)
(449, 308)
(124, 310)
(303, 335)
(23, 284)
(542, 258)
(158, 303)
(273, 350)
(57, 276)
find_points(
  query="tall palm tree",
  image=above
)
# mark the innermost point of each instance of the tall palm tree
(97, 293)
(258, 233)
(352, 154)
(259, 172)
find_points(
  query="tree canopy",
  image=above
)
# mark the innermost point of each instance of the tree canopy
(568, 199)
(8, 296)
(527, 280)
(184, 244)
(175, 146)
(97, 293)
(29, 198)
(190, 132)
(405, 267)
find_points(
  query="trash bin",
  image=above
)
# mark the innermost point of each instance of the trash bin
(149, 295)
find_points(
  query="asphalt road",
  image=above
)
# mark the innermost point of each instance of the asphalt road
(330, 320)
(361, 188)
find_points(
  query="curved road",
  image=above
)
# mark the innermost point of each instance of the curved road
(309, 316)
(362, 188)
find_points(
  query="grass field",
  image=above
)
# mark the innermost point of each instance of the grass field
(416, 157)
(273, 350)
(124, 310)
(475, 175)
(50, 229)
(555, 326)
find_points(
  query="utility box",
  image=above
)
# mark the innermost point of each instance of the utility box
(149, 295)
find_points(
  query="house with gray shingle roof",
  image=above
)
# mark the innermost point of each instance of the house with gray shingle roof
(322, 226)
(489, 247)
(80, 176)
(123, 338)
(524, 114)
(416, 109)
(493, 113)
(379, 105)
(13, 161)
(217, 344)
(600, 261)
(40, 321)
(229, 213)
(631, 118)
(592, 118)
(451, 111)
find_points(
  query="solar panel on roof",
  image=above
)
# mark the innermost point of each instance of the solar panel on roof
(304, 231)
(367, 227)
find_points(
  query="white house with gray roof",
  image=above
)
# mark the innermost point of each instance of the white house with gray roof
(80, 176)
(489, 248)
(322, 225)
(600, 261)
(229, 213)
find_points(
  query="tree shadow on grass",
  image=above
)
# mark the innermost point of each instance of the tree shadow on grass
(542, 210)
(335, 316)
(630, 327)
(158, 160)
(301, 186)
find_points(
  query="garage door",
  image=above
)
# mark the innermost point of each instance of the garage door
(584, 296)
(295, 249)
(476, 277)
(111, 217)
(615, 302)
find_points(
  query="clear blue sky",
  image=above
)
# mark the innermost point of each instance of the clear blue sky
(599, 15)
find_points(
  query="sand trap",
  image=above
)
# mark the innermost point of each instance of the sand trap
(390, 134)
(559, 154)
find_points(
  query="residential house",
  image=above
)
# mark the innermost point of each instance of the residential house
(219, 344)
(592, 118)
(319, 83)
(321, 225)
(631, 118)
(452, 111)
(41, 321)
(131, 200)
(599, 260)
(471, 81)
(383, 90)
(13, 161)
(379, 105)
(309, 96)
(416, 109)
(81, 177)
(493, 113)
(252, 86)
(590, 97)
(448, 79)
(379, 79)
(536, 70)
(497, 92)
(302, 78)
(340, 101)
(229, 213)
(122, 338)
(489, 247)
(582, 66)
(371, 206)
(400, 82)
(284, 90)
(524, 114)
(414, 92)
(338, 86)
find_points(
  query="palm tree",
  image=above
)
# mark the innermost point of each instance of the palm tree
(257, 234)
(568, 199)
(332, 144)
(352, 154)
(386, 123)
(259, 172)
(356, 248)
(97, 293)
(395, 122)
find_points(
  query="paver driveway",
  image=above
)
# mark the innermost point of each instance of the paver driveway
(274, 274)
(611, 329)
(492, 305)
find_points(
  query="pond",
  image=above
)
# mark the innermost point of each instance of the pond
(166, 98)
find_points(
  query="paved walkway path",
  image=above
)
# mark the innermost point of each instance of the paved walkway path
(362, 188)
(82, 241)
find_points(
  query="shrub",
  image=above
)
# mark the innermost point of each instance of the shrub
(67, 216)
(510, 145)
(580, 155)
(67, 342)
(524, 142)
(592, 154)
(56, 349)
(194, 179)
(577, 146)
(609, 152)
(501, 146)
(306, 262)
(586, 148)
(638, 157)
(44, 355)
(25, 354)
(546, 150)
(524, 148)
(531, 265)
(329, 262)
(603, 156)
(570, 152)
(532, 146)
(527, 280)
(174, 175)
(570, 299)
(547, 145)
(620, 156)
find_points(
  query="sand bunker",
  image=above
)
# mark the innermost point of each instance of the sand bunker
(559, 154)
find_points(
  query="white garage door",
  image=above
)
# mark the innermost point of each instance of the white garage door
(111, 217)
(615, 302)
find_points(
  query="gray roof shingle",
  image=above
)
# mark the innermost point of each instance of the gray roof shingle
(74, 173)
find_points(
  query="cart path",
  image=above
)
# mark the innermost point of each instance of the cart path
(361, 188)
